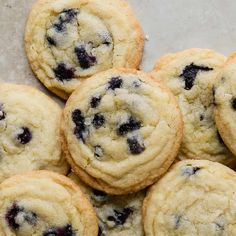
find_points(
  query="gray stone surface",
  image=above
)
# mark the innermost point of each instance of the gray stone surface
(170, 25)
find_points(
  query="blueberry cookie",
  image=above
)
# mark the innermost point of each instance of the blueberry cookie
(117, 215)
(68, 41)
(121, 130)
(196, 197)
(43, 203)
(225, 103)
(191, 75)
(29, 132)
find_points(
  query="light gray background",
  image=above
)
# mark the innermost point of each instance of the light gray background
(171, 25)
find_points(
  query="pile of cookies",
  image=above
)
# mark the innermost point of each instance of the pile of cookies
(102, 166)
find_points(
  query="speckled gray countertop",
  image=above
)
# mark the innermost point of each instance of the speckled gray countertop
(170, 25)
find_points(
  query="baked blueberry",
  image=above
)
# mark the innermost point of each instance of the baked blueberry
(190, 170)
(14, 211)
(24, 135)
(66, 16)
(98, 151)
(135, 146)
(60, 231)
(190, 72)
(120, 216)
(233, 103)
(78, 117)
(51, 41)
(201, 117)
(114, 83)
(95, 101)
(85, 60)
(63, 72)
(98, 120)
(131, 125)
(80, 130)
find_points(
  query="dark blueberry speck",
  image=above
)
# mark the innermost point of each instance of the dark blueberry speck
(85, 60)
(177, 221)
(233, 103)
(95, 101)
(201, 117)
(98, 152)
(114, 83)
(219, 226)
(134, 146)
(131, 125)
(60, 231)
(24, 136)
(190, 170)
(63, 72)
(98, 120)
(51, 41)
(190, 72)
(120, 217)
(137, 83)
(13, 211)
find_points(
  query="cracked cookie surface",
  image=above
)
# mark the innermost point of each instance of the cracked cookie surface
(43, 203)
(191, 76)
(117, 215)
(121, 131)
(29, 132)
(225, 103)
(195, 197)
(68, 41)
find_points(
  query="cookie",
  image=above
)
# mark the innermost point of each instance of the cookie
(121, 130)
(196, 197)
(117, 215)
(68, 41)
(191, 75)
(43, 203)
(29, 132)
(225, 103)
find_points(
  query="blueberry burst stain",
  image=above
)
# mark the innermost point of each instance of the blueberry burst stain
(131, 125)
(85, 60)
(190, 170)
(120, 217)
(65, 17)
(190, 72)
(63, 72)
(24, 136)
(60, 231)
(114, 83)
(80, 129)
(134, 146)
(14, 211)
